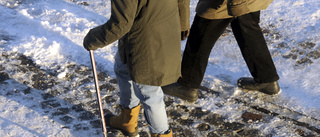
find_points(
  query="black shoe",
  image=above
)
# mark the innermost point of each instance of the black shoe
(185, 93)
(270, 88)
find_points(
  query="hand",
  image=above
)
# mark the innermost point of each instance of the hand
(86, 43)
(185, 34)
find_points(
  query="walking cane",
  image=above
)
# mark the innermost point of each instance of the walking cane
(93, 63)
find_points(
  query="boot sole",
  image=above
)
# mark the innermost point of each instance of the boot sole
(262, 91)
(269, 92)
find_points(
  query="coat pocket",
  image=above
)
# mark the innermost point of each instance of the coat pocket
(237, 7)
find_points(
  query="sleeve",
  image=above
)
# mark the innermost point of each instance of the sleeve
(123, 13)
(184, 12)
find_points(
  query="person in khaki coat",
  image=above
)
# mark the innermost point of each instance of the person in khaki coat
(149, 56)
(212, 18)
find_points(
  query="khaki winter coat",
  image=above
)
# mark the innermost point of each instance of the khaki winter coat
(150, 41)
(221, 9)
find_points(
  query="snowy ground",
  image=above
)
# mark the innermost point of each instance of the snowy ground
(46, 84)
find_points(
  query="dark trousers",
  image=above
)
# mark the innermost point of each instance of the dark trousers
(203, 35)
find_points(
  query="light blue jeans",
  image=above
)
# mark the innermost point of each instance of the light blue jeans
(151, 97)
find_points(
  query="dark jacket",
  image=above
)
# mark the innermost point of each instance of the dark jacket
(221, 9)
(149, 33)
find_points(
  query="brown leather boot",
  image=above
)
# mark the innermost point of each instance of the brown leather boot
(126, 121)
(248, 83)
(182, 92)
(169, 134)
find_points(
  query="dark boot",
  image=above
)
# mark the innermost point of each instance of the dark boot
(270, 88)
(169, 134)
(126, 121)
(185, 93)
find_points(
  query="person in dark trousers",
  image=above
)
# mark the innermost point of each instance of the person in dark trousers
(148, 57)
(211, 19)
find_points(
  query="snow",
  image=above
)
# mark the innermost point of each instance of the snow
(52, 31)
